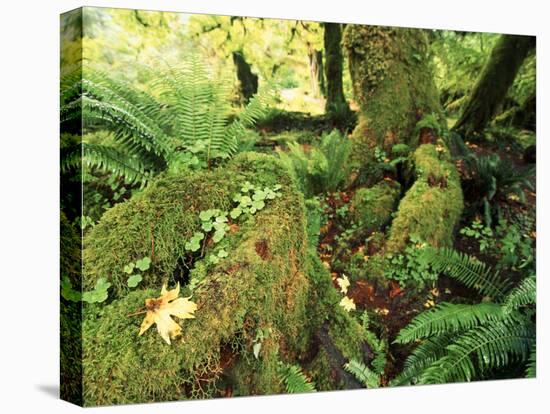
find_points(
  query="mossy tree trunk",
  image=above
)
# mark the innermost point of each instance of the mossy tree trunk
(316, 71)
(336, 104)
(248, 81)
(496, 78)
(393, 85)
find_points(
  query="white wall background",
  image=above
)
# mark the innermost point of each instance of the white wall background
(29, 204)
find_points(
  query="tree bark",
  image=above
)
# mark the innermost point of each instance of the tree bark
(496, 78)
(392, 84)
(316, 72)
(248, 81)
(336, 104)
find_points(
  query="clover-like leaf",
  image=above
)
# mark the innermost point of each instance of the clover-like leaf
(143, 264)
(259, 195)
(134, 280)
(205, 215)
(161, 310)
(213, 259)
(247, 186)
(218, 235)
(245, 201)
(236, 212)
(206, 225)
(258, 204)
(222, 253)
(221, 219)
(129, 268)
(102, 285)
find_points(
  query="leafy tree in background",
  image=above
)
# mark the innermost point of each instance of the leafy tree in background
(494, 82)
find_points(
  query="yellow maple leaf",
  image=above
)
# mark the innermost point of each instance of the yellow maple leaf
(343, 283)
(160, 310)
(347, 303)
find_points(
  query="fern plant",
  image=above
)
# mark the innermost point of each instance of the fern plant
(320, 169)
(294, 380)
(489, 178)
(186, 120)
(363, 373)
(464, 342)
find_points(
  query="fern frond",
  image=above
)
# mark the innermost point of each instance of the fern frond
(106, 159)
(294, 379)
(531, 371)
(481, 349)
(449, 318)
(425, 354)
(524, 294)
(467, 270)
(363, 373)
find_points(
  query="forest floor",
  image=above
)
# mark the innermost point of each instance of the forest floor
(393, 305)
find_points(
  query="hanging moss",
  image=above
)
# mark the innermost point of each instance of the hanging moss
(432, 207)
(393, 85)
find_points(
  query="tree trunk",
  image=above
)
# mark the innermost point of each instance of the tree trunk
(248, 81)
(336, 104)
(496, 78)
(395, 90)
(393, 86)
(316, 72)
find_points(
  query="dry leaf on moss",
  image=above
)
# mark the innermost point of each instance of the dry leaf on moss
(347, 303)
(160, 310)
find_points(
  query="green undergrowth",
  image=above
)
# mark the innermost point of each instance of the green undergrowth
(258, 306)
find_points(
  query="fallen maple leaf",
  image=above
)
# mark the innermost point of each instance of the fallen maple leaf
(160, 310)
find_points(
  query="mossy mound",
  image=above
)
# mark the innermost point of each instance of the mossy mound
(393, 84)
(158, 222)
(262, 285)
(371, 208)
(432, 207)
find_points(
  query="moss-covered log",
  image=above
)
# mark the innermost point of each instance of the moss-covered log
(496, 78)
(372, 208)
(393, 85)
(432, 207)
(335, 105)
(265, 288)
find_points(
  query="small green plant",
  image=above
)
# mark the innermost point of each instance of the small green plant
(411, 268)
(483, 234)
(322, 168)
(294, 379)
(135, 279)
(251, 199)
(97, 295)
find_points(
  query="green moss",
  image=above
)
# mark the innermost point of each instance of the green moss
(70, 316)
(159, 221)
(393, 84)
(433, 205)
(345, 333)
(371, 208)
(262, 284)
